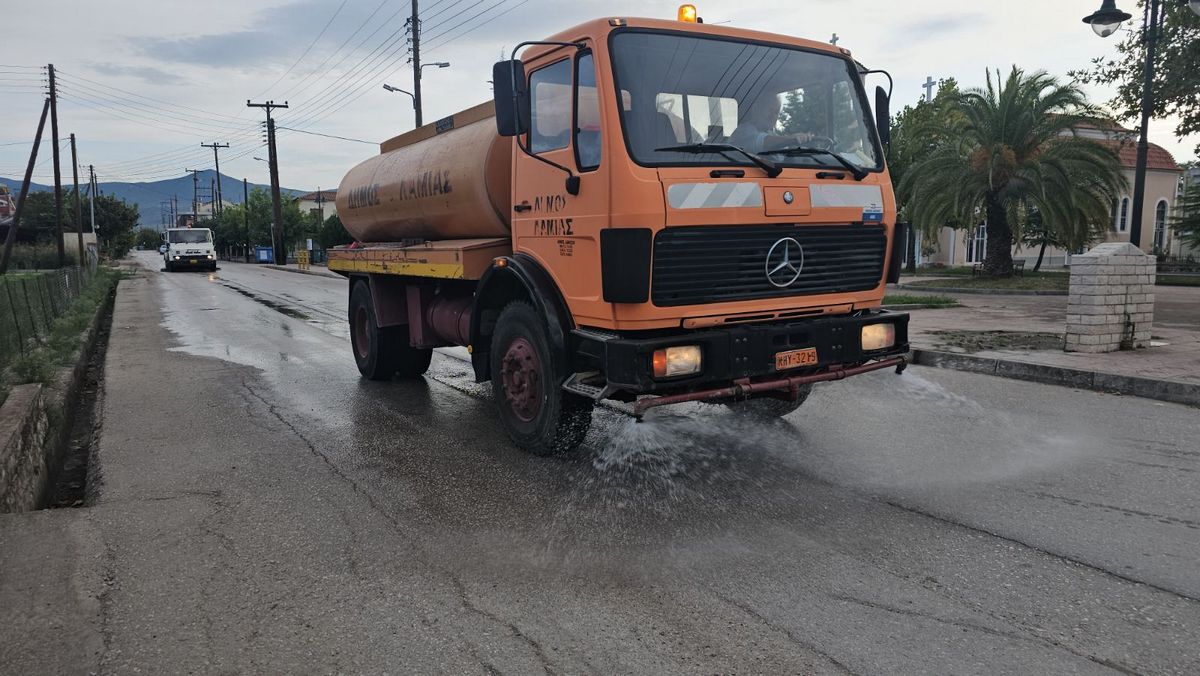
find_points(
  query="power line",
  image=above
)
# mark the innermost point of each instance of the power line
(365, 69)
(387, 41)
(350, 37)
(91, 93)
(306, 50)
(167, 103)
(447, 41)
(341, 138)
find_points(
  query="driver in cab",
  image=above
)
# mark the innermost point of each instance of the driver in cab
(758, 129)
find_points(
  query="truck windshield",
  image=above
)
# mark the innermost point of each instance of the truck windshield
(196, 236)
(678, 90)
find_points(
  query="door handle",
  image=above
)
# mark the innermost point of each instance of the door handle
(523, 206)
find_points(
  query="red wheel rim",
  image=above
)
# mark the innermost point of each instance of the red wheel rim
(520, 373)
(362, 332)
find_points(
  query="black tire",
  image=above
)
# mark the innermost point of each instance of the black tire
(170, 266)
(381, 353)
(769, 408)
(212, 268)
(539, 416)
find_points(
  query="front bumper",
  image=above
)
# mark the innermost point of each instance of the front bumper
(192, 260)
(739, 353)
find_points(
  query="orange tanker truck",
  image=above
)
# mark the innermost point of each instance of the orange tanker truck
(648, 211)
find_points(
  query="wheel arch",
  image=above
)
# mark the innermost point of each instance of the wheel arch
(518, 277)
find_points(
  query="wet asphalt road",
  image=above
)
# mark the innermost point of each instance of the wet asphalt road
(931, 522)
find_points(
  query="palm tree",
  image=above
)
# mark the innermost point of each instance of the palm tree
(1009, 150)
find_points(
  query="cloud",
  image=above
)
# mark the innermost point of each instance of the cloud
(148, 74)
(941, 25)
(273, 34)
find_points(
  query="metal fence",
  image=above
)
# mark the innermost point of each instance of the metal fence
(29, 304)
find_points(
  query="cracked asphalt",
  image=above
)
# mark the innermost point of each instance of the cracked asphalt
(260, 508)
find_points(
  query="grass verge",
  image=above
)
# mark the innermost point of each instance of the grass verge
(60, 347)
(1178, 280)
(919, 299)
(1042, 281)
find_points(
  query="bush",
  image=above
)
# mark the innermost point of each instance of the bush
(34, 257)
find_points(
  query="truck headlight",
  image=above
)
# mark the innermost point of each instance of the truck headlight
(210, 257)
(677, 361)
(177, 258)
(878, 336)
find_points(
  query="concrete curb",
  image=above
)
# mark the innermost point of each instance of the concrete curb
(903, 307)
(982, 292)
(303, 272)
(1149, 388)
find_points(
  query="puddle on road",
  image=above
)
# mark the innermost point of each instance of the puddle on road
(278, 307)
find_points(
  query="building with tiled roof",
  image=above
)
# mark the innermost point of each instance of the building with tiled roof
(319, 202)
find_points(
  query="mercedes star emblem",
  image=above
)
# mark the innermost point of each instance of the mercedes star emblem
(785, 260)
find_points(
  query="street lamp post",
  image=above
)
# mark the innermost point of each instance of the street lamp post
(416, 98)
(1106, 21)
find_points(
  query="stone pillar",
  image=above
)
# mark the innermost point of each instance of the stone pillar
(1111, 303)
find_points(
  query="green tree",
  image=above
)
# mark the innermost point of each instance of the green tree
(1176, 71)
(1186, 222)
(915, 133)
(148, 238)
(115, 223)
(1008, 148)
(333, 233)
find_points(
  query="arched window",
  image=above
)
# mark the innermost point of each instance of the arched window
(1123, 223)
(1160, 224)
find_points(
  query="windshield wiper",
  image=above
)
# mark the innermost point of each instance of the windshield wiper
(858, 172)
(763, 163)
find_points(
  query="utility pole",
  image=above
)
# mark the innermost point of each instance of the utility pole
(415, 26)
(273, 158)
(78, 201)
(16, 221)
(195, 195)
(320, 206)
(92, 193)
(58, 215)
(216, 163)
(246, 215)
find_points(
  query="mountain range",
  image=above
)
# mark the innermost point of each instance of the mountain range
(150, 196)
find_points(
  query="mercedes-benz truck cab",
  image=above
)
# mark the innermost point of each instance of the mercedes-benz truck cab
(189, 248)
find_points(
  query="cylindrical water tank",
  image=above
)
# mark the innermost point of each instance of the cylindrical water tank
(451, 185)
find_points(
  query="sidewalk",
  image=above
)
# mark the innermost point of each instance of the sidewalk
(1174, 355)
(319, 270)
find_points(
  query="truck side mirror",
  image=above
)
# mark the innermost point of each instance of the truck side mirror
(883, 117)
(511, 97)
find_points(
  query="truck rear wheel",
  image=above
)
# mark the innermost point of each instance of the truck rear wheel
(538, 415)
(382, 353)
(769, 407)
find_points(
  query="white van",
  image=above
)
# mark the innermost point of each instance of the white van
(189, 248)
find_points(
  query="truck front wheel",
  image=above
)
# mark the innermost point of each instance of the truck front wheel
(538, 415)
(382, 353)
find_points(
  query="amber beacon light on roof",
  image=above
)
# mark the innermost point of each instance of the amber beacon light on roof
(625, 221)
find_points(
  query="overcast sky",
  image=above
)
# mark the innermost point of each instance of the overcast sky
(196, 63)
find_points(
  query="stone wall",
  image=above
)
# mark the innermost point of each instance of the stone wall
(1111, 302)
(24, 432)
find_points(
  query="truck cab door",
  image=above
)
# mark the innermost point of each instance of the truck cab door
(560, 230)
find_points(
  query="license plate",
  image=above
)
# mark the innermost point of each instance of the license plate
(795, 358)
(193, 262)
